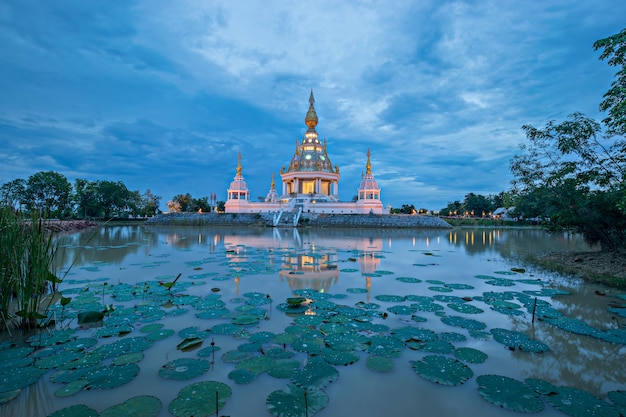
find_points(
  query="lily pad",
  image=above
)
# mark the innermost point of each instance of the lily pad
(201, 399)
(335, 357)
(77, 410)
(509, 393)
(380, 364)
(471, 355)
(71, 388)
(184, 368)
(242, 376)
(575, 402)
(140, 406)
(283, 368)
(442, 370)
(316, 374)
(294, 401)
(107, 377)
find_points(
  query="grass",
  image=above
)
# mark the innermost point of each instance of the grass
(27, 285)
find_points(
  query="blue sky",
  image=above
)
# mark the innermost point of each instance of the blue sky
(162, 95)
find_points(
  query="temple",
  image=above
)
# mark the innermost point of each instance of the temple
(310, 183)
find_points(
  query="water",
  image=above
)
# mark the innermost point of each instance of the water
(364, 264)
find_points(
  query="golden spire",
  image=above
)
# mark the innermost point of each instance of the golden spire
(273, 185)
(239, 163)
(311, 117)
(368, 166)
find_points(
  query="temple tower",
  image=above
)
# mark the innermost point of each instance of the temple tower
(310, 171)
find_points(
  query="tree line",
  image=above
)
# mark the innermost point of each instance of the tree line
(50, 194)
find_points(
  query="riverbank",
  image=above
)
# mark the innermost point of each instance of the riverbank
(68, 226)
(307, 220)
(607, 268)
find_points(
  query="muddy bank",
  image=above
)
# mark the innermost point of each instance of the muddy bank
(62, 226)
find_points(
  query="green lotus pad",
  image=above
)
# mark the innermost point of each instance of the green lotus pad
(77, 410)
(242, 376)
(184, 368)
(293, 401)
(140, 406)
(201, 399)
(379, 364)
(618, 398)
(572, 401)
(509, 393)
(515, 340)
(442, 370)
(470, 355)
(5, 397)
(316, 374)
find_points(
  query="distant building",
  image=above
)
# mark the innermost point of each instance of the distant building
(310, 183)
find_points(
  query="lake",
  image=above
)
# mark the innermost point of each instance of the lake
(390, 322)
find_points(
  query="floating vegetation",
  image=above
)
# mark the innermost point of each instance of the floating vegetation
(200, 399)
(509, 393)
(184, 368)
(295, 401)
(442, 370)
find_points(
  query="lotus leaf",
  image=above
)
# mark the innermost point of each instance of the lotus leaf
(401, 310)
(470, 355)
(77, 410)
(193, 332)
(201, 399)
(427, 306)
(463, 322)
(256, 364)
(18, 378)
(335, 357)
(355, 290)
(515, 340)
(58, 359)
(316, 374)
(246, 320)
(86, 361)
(509, 393)
(80, 344)
(71, 388)
(107, 377)
(442, 370)
(16, 352)
(390, 298)
(159, 334)
(234, 356)
(618, 398)
(128, 358)
(283, 368)
(189, 343)
(294, 401)
(225, 329)
(109, 331)
(465, 308)
(308, 320)
(140, 406)
(5, 397)
(311, 345)
(242, 376)
(56, 337)
(413, 333)
(575, 402)
(409, 280)
(612, 336)
(434, 346)
(380, 364)
(346, 341)
(208, 351)
(385, 345)
(440, 288)
(213, 314)
(279, 353)
(262, 337)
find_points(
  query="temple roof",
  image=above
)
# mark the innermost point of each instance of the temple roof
(310, 154)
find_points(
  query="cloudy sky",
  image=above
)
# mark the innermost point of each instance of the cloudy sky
(162, 95)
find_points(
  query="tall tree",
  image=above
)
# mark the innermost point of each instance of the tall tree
(580, 173)
(13, 193)
(50, 193)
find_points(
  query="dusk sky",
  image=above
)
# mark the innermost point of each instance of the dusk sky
(162, 95)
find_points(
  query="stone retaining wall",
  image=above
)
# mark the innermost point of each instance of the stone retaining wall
(307, 220)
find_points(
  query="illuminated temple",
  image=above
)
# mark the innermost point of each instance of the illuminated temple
(310, 183)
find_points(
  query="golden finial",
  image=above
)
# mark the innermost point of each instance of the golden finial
(311, 117)
(273, 185)
(239, 163)
(368, 166)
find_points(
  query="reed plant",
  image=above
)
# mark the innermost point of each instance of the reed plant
(27, 285)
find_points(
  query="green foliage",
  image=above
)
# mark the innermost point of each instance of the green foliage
(49, 193)
(405, 209)
(26, 255)
(573, 176)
